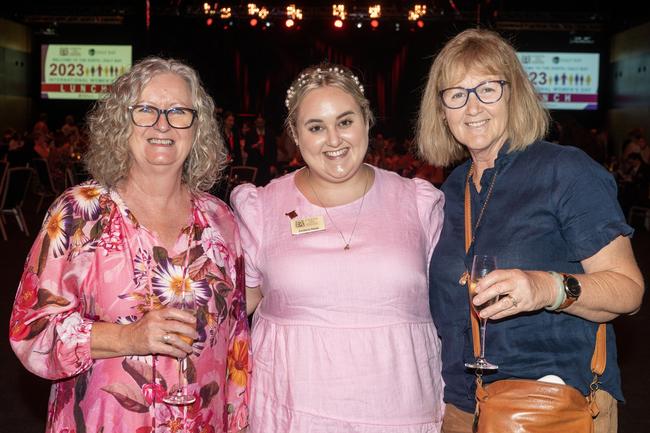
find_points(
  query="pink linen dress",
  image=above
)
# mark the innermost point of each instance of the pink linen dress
(92, 262)
(343, 340)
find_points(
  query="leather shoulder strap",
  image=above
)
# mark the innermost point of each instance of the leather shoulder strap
(476, 344)
(599, 358)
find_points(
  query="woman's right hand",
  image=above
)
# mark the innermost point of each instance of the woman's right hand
(161, 332)
(157, 332)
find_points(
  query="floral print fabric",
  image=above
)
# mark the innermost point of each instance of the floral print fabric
(92, 261)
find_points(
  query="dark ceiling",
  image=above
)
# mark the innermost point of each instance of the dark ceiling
(616, 15)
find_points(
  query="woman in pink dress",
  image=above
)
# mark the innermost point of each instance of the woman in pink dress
(95, 307)
(336, 268)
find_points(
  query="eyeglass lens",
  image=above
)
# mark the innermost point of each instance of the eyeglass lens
(177, 117)
(488, 92)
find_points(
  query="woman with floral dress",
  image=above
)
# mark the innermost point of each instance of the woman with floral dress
(94, 310)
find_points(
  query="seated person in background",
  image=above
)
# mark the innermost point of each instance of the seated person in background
(636, 143)
(41, 145)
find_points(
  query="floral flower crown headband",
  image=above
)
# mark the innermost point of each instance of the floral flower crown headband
(305, 78)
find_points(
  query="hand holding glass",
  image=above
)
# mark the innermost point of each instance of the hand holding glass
(481, 266)
(180, 397)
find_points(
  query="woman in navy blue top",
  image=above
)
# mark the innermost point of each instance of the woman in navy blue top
(549, 214)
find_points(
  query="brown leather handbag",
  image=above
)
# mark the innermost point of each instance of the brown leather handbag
(531, 406)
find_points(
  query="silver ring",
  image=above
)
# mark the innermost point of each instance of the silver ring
(514, 301)
(166, 338)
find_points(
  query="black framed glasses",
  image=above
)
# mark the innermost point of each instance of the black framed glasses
(148, 115)
(488, 92)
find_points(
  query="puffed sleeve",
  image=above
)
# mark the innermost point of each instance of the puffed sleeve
(47, 330)
(586, 205)
(430, 203)
(246, 204)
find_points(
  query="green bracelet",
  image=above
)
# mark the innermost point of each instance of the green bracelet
(561, 294)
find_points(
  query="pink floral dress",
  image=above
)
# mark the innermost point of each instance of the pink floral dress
(91, 262)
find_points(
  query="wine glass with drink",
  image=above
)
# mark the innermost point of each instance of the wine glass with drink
(179, 395)
(481, 266)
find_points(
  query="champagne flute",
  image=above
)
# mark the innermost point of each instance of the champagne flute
(180, 397)
(481, 266)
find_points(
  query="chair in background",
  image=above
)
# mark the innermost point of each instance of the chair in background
(70, 179)
(46, 186)
(4, 166)
(12, 195)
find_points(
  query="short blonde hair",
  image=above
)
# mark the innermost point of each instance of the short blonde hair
(109, 127)
(488, 52)
(323, 75)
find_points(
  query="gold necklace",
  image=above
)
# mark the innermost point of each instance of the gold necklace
(363, 198)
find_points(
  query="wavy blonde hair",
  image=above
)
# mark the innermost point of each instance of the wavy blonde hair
(109, 127)
(323, 75)
(487, 52)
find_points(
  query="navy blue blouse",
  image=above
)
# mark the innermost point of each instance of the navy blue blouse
(552, 206)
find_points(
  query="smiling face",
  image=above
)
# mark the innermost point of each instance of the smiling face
(161, 148)
(481, 127)
(332, 134)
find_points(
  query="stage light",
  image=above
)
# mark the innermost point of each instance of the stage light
(294, 13)
(417, 12)
(397, 27)
(374, 24)
(253, 10)
(339, 11)
(268, 24)
(253, 22)
(289, 23)
(209, 10)
(338, 23)
(225, 13)
(420, 23)
(359, 24)
(374, 11)
(208, 22)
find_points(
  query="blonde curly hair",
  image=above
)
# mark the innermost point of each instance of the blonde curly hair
(109, 127)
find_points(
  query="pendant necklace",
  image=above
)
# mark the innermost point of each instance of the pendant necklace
(363, 197)
(464, 278)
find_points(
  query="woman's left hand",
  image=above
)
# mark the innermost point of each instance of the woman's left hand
(518, 291)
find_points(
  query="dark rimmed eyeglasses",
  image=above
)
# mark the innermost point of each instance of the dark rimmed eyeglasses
(148, 115)
(488, 92)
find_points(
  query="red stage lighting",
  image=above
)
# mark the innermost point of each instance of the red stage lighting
(253, 22)
(338, 24)
(208, 22)
(374, 24)
(420, 23)
(289, 23)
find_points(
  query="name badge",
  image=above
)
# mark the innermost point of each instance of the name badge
(307, 225)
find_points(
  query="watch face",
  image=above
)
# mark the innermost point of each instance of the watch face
(572, 286)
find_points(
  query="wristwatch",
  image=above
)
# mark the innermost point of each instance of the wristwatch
(572, 289)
